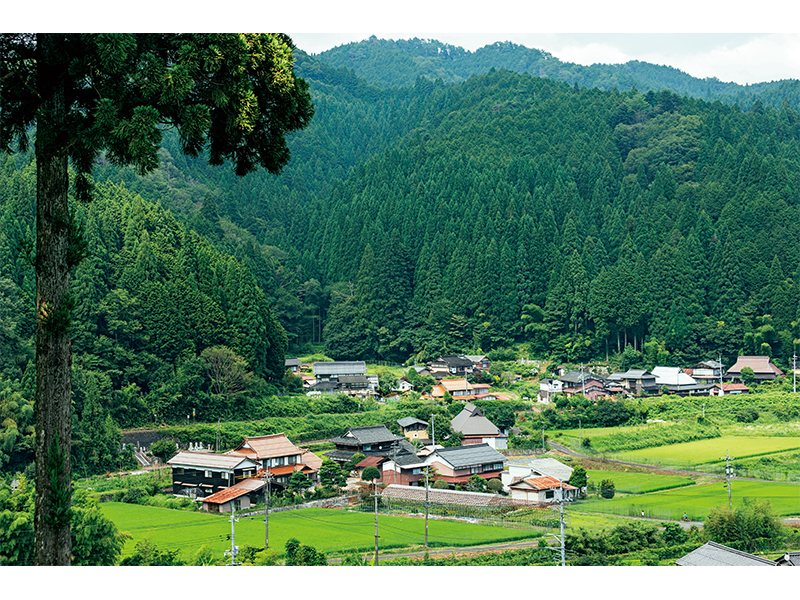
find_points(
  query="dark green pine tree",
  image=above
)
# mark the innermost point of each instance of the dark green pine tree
(366, 296)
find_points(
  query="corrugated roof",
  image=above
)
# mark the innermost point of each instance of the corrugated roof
(539, 483)
(210, 460)
(245, 486)
(545, 466)
(712, 554)
(340, 368)
(409, 421)
(672, 376)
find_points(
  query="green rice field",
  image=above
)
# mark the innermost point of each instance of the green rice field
(710, 451)
(330, 531)
(698, 500)
(639, 483)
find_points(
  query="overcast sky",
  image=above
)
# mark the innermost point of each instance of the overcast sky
(742, 58)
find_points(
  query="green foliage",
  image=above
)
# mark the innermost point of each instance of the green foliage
(578, 478)
(607, 488)
(300, 555)
(148, 554)
(752, 527)
(163, 449)
(370, 474)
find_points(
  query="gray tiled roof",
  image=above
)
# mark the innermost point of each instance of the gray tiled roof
(408, 421)
(474, 454)
(372, 434)
(209, 460)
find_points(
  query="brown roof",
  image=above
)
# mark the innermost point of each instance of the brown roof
(759, 364)
(267, 446)
(235, 491)
(541, 483)
(371, 461)
(311, 460)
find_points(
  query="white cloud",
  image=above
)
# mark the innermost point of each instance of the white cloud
(741, 58)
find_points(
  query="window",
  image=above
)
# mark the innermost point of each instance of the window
(207, 474)
(473, 470)
(367, 447)
(549, 494)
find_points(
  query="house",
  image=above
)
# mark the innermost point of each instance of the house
(536, 467)
(479, 361)
(708, 371)
(790, 559)
(370, 461)
(200, 474)
(542, 490)
(763, 369)
(325, 371)
(678, 382)
(293, 364)
(712, 554)
(240, 496)
(459, 389)
(477, 429)
(458, 463)
(451, 364)
(348, 377)
(369, 440)
(728, 388)
(414, 429)
(549, 387)
(423, 371)
(279, 456)
(635, 381)
(403, 385)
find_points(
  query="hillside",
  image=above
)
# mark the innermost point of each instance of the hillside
(389, 63)
(503, 208)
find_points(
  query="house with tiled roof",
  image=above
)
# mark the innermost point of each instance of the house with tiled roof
(201, 474)
(635, 381)
(239, 496)
(522, 468)
(369, 440)
(413, 428)
(543, 489)
(763, 369)
(676, 381)
(451, 364)
(279, 456)
(459, 389)
(458, 463)
(728, 388)
(475, 428)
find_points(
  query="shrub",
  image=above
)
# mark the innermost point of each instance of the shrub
(607, 489)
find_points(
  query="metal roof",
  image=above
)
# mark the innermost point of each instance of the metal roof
(712, 554)
(409, 421)
(358, 367)
(211, 461)
(245, 486)
(544, 466)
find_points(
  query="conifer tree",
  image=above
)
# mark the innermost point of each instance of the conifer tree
(234, 95)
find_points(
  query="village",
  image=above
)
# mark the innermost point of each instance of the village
(233, 479)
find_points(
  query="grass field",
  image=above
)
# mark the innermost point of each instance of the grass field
(710, 451)
(639, 483)
(698, 500)
(330, 531)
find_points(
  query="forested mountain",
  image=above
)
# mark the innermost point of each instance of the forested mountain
(389, 63)
(435, 217)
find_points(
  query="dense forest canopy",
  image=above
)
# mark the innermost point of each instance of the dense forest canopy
(413, 220)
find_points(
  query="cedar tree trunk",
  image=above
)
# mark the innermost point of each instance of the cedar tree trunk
(53, 350)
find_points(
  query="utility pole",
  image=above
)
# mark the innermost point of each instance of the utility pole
(561, 538)
(267, 479)
(794, 373)
(375, 484)
(728, 475)
(426, 507)
(234, 548)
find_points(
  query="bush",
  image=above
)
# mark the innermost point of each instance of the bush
(495, 485)
(607, 489)
(441, 484)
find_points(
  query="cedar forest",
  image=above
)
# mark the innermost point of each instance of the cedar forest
(439, 202)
